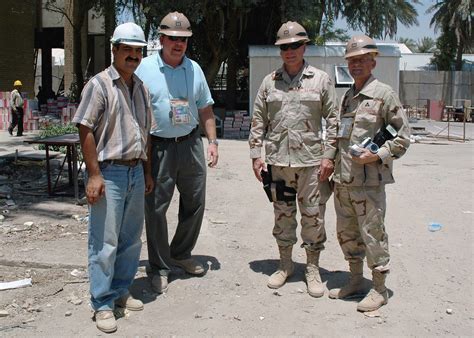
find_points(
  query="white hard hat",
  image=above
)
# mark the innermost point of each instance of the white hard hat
(129, 34)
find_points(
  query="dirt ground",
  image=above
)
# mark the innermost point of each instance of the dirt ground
(431, 280)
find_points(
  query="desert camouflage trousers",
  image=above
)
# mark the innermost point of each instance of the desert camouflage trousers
(361, 232)
(311, 199)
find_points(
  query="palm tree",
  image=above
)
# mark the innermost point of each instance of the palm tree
(425, 45)
(379, 19)
(410, 43)
(455, 16)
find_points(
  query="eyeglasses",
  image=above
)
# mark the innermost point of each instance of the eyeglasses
(292, 46)
(178, 38)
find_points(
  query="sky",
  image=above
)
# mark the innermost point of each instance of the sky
(414, 32)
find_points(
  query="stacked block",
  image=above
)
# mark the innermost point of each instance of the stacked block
(236, 125)
(56, 111)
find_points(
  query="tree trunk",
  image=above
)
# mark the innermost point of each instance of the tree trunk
(459, 51)
(78, 20)
(109, 26)
(231, 76)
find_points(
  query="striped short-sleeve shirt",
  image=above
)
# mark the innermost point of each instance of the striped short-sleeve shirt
(119, 118)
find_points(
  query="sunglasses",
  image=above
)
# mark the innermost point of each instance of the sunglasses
(178, 38)
(292, 46)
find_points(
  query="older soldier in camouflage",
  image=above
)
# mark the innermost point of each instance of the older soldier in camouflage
(368, 108)
(287, 115)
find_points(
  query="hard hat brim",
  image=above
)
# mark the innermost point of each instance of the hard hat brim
(134, 43)
(362, 51)
(291, 40)
(170, 32)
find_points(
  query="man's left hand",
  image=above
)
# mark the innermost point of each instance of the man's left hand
(212, 155)
(149, 184)
(365, 157)
(326, 169)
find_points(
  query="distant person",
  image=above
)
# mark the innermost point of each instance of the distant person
(41, 96)
(114, 118)
(287, 115)
(181, 102)
(370, 109)
(16, 102)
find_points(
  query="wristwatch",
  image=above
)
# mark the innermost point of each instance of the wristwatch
(214, 141)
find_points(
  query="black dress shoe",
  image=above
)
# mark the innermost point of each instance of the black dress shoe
(10, 131)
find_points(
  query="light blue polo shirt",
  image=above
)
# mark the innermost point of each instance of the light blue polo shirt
(187, 81)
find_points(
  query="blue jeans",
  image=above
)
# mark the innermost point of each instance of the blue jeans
(115, 228)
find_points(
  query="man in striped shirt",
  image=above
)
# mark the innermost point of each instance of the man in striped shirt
(114, 119)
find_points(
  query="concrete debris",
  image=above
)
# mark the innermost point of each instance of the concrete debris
(78, 273)
(449, 311)
(29, 224)
(4, 313)
(68, 314)
(15, 284)
(10, 203)
(372, 314)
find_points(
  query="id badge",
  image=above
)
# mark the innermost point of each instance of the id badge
(345, 128)
(180, 113)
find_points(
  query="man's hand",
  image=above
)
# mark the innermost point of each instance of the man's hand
(149, 184)
(365, 157)
(326, 169)
(212, 155)
(95, 188)
(258, 165)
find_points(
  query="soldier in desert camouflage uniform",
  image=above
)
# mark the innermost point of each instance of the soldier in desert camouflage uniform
(368, 108)
(288, 112)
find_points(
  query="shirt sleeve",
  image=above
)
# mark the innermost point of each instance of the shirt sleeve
(395, 116)
(204, 98)
(91, 106)
(330, 113)
(259, 122)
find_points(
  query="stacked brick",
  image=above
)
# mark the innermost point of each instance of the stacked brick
(236, 125)
(56, 111)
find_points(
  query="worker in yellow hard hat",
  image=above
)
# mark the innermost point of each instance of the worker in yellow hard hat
(16, 103)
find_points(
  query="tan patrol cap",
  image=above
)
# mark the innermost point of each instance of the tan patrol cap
(175, 24)
(360, 45)
(291, 32)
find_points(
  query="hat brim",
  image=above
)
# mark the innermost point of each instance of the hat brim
(291, 40)
(362, 51)
(183, 34)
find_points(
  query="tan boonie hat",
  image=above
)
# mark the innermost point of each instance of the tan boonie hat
(360, 45)
(175, 24)
(291, 32)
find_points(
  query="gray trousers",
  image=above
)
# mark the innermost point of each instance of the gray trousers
(181, 164)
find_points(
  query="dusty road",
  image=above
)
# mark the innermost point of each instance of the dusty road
(431, 271)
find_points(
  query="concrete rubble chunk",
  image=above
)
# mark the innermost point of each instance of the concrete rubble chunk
(4, 313)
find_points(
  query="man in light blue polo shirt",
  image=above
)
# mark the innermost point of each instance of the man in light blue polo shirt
(181, 100)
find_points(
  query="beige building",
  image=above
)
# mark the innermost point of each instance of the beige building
(29, 33)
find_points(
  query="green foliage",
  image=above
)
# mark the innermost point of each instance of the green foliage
(50, 130)
(455, 19)
(445, 54)
(425, 45)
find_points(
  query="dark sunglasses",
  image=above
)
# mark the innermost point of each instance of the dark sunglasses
(178, 38)
(292, 46)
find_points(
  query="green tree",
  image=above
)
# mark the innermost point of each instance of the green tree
(454, 17)
(379, 19)
(425, 45)
(445, 53)
(410, 43)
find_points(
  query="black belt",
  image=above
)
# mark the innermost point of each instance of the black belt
(128, 163)
(174, 139)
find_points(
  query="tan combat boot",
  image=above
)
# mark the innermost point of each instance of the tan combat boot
(285, 270)
(355, 285)
(377, 296)
(313, 278)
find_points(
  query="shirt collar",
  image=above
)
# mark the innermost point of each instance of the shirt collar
(369, 87)
(114, 75)
(163, 64)
(306, 71)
